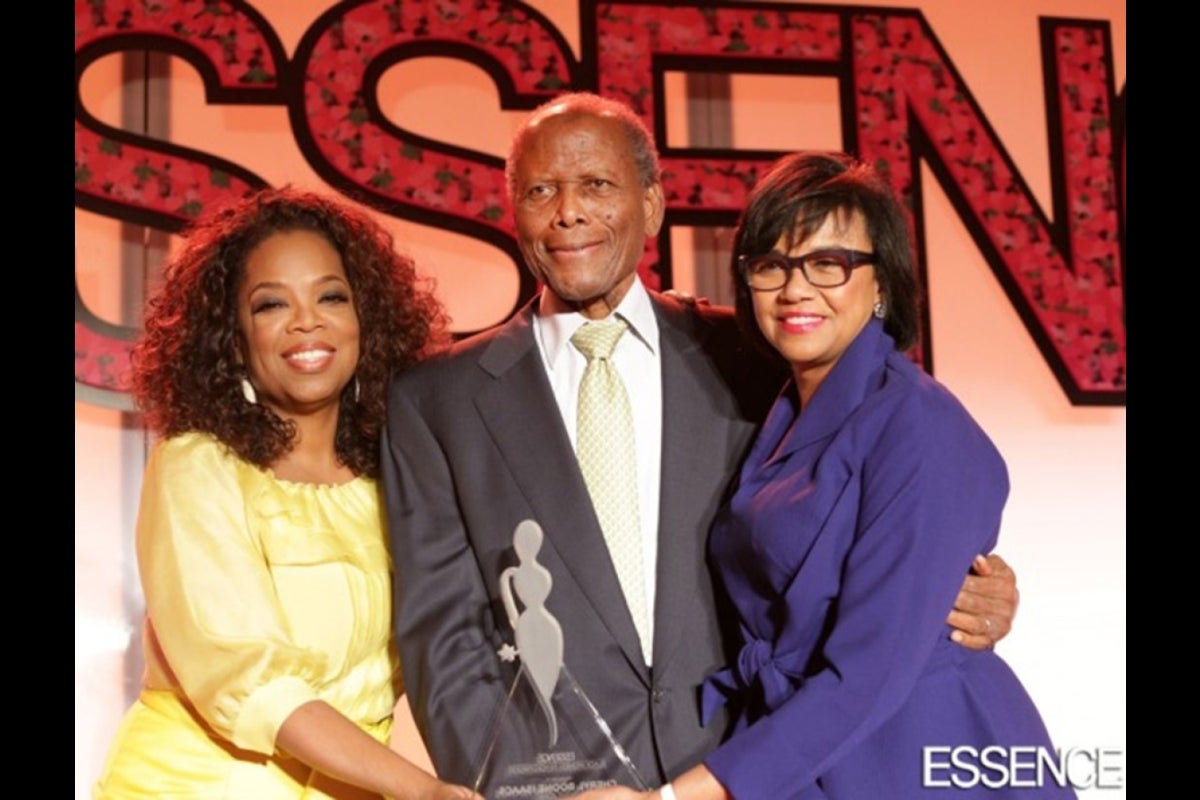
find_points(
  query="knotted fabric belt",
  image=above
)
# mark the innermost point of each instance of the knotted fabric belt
(778, 675)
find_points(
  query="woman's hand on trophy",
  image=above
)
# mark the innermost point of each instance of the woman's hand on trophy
(449, 791)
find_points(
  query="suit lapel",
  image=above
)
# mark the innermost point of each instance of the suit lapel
(696, 454)
(520, 413)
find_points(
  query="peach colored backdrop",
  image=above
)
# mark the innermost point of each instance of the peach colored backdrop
(1064, 528)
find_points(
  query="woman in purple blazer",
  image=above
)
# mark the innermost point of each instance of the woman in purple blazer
(866, 497)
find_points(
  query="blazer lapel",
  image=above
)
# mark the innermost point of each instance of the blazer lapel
(519, 411)
(697, 443)
(857, 371)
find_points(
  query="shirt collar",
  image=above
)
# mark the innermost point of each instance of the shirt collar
(554, 331)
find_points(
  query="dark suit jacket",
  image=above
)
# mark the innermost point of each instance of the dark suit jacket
(475, 444)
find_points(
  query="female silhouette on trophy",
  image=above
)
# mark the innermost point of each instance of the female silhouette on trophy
(538, 634)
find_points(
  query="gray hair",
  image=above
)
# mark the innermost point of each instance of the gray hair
(641, 142)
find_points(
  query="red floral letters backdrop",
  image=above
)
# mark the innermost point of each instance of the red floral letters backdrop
(902, 103)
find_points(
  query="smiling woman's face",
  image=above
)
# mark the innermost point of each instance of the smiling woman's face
(812, 327)
(298, 323)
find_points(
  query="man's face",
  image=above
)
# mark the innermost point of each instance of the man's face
(581, 210)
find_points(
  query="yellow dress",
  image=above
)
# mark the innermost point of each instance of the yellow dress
(261, 595)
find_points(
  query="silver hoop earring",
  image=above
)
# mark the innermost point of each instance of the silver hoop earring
(880, 310)
(357, 390)
(248, 392)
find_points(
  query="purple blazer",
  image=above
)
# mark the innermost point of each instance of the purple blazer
(843, 550)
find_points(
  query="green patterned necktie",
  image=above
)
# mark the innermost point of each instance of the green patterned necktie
(608, 459)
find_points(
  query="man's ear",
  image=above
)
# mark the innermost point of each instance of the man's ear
(655, 206)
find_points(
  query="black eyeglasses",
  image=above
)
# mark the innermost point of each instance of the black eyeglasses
(823, 269)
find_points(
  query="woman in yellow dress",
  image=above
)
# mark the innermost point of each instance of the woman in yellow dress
(270, 670)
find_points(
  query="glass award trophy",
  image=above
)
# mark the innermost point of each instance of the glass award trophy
(547, 739)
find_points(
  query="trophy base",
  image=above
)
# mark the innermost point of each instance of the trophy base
(534, 757)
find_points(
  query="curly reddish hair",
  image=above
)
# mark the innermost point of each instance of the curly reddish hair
(187, 369)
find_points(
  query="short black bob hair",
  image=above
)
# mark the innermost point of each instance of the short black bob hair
(792, 200)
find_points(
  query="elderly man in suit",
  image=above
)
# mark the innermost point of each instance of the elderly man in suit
(485, 437)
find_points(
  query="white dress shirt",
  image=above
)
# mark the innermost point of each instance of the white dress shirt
(637, 359)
